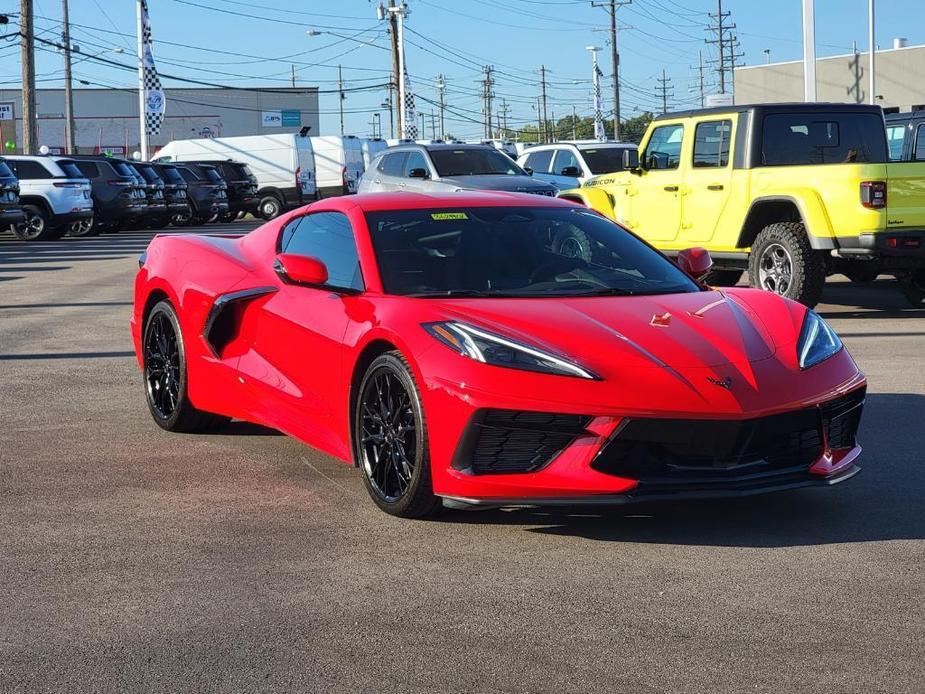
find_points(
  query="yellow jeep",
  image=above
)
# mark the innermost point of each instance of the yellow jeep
(789, 192)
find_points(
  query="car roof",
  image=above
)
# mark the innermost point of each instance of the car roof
(906, 116)
(789, 107)
(378, 202)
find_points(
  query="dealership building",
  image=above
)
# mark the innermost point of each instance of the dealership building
(107, 119)
(899, 83)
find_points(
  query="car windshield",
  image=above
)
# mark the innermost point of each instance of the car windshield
(171, 175)
(473, 161)
(515, 251)
(70, 169)
(5, 171)
(603, 160)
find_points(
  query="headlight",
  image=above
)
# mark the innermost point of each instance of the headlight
(817, 341)
(490, 348)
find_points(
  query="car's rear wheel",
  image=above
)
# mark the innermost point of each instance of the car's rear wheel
(783, 262)
(83, 227)
(722, 278)
(390, 439)
(36, 226)
(165, 374)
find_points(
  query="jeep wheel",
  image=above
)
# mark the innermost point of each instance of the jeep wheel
(574, 244)
(270, 207)
(722, 278)
(783, 262)
(36, 226)
(913, 286)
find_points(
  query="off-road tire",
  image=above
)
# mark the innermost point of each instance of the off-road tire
(807, 267)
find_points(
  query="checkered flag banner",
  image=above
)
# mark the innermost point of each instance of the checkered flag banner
(411, 116)
(599, 133)
(154, 95)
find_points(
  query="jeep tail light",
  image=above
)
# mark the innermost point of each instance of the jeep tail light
(873, 194)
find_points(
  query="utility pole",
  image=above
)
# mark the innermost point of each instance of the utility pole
(611, 7)
(543, 86)
(503, 119)
(394, 113)
(539, 119)
(423, 127)
(68, 94)
(487, 95)
(664, 85)
(441, 88)
(574, 123)
(292, 73)
(27, 52)
(872, 48)
(433, 126)
(700, 78)
(722, 28)
(340, 100)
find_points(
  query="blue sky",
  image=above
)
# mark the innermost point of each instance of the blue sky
(259, 40)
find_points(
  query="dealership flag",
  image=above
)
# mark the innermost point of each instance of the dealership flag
(411, 117)
(599, 133)
(154, 95)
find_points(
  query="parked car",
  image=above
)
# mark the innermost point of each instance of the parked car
(443, 346)
(207, 193)
(175, 193)
(117, 198)
(284, 165)
(339, 164)
(905, 134)
(11, 212)
(790, 192)
(569, 164)
(53, 193)
(448, 167)
(155, 216)
(242, 188)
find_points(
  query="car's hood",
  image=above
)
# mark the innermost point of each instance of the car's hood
(609, 334)
(512, 184)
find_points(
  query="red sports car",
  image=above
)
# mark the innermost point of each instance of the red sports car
(494, 348)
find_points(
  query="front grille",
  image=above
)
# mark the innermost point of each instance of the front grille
(674, 450)
(548, 193)
(511, 441)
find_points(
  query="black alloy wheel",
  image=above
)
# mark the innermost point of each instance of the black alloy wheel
(165, 374)
(36, 226)
(83, 227)
(391, 440)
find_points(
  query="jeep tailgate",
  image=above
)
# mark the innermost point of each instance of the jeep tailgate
(905, 199)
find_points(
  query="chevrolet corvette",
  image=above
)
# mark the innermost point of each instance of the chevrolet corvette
(494, 349)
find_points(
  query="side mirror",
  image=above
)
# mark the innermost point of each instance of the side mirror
(630, 159)
(528, 170)
(696, 262)
(570, 171)
(300, 269)
(418, 173)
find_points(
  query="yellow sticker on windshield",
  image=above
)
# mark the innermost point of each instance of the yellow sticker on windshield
(445, 216)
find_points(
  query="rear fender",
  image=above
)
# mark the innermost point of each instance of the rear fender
(804, 203)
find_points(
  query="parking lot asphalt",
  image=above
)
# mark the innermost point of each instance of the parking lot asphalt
(132, 559)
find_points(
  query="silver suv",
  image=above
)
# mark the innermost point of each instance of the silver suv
(441, 168)
(53, 193)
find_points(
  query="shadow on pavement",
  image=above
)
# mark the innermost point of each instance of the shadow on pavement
(884, 502)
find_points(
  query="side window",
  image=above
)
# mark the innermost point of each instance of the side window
(663, 150)
(392, 163)
(88, 169)
(564, 158)
(29, 170)
(327, 236)
(919, 154)
(187, 174)
(896, 137)
(415, 160)
(540, 161)
(711, 144)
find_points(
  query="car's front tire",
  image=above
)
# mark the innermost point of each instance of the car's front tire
(390, 439)
(270, 207)
(165, 374)
(36, 226)
(782, 261)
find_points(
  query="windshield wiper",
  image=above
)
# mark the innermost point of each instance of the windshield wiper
(451, 293)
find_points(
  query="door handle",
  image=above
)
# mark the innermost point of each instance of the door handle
(671, 189)
(715, 186)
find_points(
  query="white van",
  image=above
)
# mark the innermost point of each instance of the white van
(371, 147)
(339, 163)
(283, 164)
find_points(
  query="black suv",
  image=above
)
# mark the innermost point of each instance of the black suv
(116, 197)
(10, 211)
(208, 194)
(175, 193)
(242, 187)
(156, 215)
